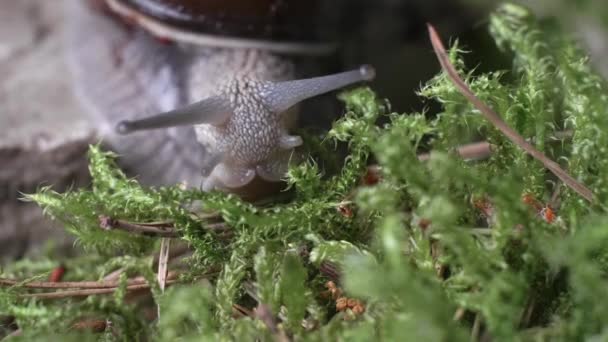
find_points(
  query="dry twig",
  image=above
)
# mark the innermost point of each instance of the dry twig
(86, 292)
(264, 314)
(163, 266)
(156, 229)
(163, 261)
(478, 150)
(15, 333)
(241, 310)
(498, 122)
(330, 270)
(92, 325)
(69, 284)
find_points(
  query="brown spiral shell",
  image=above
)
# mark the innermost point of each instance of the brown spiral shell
(292, 26)
(256, 19)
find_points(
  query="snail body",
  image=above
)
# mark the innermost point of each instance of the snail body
(225, 110)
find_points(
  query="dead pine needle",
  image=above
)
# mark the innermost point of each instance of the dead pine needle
(68, 284)
(498, 122)
(153, 229)
(264, 314)
(82, 292)
(163, 261)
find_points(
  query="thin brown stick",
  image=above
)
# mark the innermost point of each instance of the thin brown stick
(114, 275)
(555, 200)
(86, 292)
(476, 329)
(163, 261)
(208, 216)
(163, 266)
(497, 121)
(76, 284)
(68, 284)
(242, 310)
(264, 314)
(158, 229)
(219, 227)
(459, 314)
(331, 270)
(178, 250)
(92, 325)
(478, 150)
(15, 333)
(483, 149)
(473, 151)
(527, 314)
(81, 293)
(108, 223)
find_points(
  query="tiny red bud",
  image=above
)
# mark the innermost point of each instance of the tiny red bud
(372, 176)
(345, 210)
(341, 304)
(358, 309)
(548, 214)
(531, 201)
(424, 223)
(57, 274)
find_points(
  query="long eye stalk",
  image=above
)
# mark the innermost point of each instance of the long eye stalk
(282, 95)
(278, 97)
(213, 110)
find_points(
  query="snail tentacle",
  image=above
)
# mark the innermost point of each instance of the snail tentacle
(288, 142)
(281, 96)
(229, 177)
(275, 169)
(213, 110)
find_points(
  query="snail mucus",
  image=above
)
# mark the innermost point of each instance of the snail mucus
(198, 91)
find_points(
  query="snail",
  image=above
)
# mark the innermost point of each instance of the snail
(198, 91)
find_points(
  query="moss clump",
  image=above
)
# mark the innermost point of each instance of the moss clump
(437, 250)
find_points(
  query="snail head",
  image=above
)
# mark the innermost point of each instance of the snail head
(276, 97)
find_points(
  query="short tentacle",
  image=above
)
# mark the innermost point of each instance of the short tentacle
(232, 176)
(282, 95)
(214, 110)
(276, 168)
(288, 142)
(209, 161)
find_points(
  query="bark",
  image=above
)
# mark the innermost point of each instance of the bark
(43, 132)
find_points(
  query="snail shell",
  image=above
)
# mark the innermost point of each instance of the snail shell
(226, 103)
(279, 26)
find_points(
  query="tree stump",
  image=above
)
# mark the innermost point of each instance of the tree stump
(44, 133)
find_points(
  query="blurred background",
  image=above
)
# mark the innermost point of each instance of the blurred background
(45, 131)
